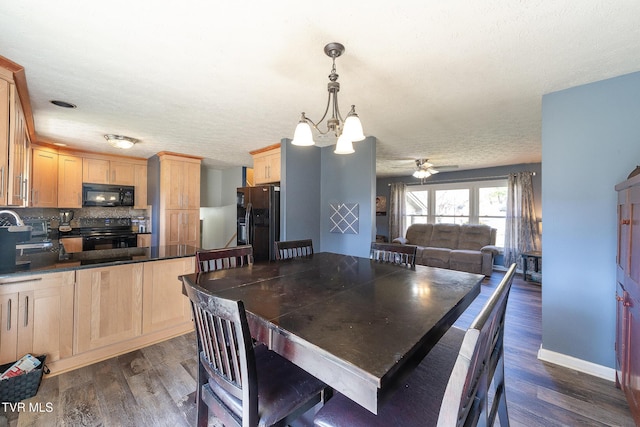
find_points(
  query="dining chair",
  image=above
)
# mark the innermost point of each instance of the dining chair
(293, 249)
(394, 253)
(219, 259)
(240, 383)
(452, 384)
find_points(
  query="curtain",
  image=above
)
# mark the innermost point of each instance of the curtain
(521, 234)
(397, 210)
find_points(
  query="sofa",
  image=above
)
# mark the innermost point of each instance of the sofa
(466, 247)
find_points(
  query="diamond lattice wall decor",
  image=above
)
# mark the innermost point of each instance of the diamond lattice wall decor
(344, 218)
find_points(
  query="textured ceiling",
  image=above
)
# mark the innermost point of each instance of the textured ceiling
(458, 82)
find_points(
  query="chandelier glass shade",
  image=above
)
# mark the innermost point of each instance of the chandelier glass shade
(346, 130)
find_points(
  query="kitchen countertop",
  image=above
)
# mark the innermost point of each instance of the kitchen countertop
(47, 262)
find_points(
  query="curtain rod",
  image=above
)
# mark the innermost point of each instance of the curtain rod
(449, 181)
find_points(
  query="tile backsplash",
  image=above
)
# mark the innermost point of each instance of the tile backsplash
(53, 214)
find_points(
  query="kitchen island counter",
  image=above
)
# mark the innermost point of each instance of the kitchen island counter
(45, 262)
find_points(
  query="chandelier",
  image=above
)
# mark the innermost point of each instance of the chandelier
(346, 130)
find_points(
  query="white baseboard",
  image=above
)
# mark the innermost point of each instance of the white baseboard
(571, 362)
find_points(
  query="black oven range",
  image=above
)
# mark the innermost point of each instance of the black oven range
(107, 233)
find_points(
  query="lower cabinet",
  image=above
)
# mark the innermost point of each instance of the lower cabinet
(108, 306)
(163, 304)
(36, 316)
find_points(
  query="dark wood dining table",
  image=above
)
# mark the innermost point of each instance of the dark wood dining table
(358, 325)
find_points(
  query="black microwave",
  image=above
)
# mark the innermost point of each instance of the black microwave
(107, 195)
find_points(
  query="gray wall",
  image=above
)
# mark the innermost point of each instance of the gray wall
(590, 142)
(349, 178)
(382, 185)
(314, 177)
(300, 182)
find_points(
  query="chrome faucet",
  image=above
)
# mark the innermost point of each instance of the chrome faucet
(19, 221)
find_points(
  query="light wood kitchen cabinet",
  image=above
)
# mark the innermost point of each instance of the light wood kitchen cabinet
(266, 165)
(163, 303)
(4, 139)
(144, 240)
(180, 183)
(182, 227)
(628, 293)
(103, 171)
(44, 189)
(37, 316)
(14, 143)
(69, 181)
(71, 244)
(177, 198)
(140, 183)
(108, 306)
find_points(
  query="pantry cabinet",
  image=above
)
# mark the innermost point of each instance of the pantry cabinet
(36, 316)
(628, 293)
(177, 198)
(44, 189)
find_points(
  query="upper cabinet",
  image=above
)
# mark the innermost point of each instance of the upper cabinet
(104, 171)
(14, 143)
(44, 189)
(69, 181)
(266, 165)
(180, 182)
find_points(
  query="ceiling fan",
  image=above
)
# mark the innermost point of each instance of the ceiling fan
(424, 169)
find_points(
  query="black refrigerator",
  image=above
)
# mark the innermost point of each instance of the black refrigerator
(259, 219)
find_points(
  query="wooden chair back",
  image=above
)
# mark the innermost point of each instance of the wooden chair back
(293, 249)
(394, 253)
(219, 259)
(479, 367)
(226, 353)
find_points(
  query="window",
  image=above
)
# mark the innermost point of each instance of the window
(478, 202)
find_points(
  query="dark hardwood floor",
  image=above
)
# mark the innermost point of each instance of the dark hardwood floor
(154, 386)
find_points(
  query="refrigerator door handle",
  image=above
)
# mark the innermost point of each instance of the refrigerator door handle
(248, 223)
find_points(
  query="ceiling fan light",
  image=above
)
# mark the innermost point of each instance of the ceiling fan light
(344, 145)
(421, 174)
(353, 126)
(302, 135)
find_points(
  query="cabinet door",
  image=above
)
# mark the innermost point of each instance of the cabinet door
(144, 240)
(72, 244)
(95, 171)
(108, 306)
(191, 228)
(274, 167)
(621, 335)
(140, 183)
(4, 140)
(45, 325)
(172, 172)
(164, 305)
(121, 173)
(18, 148)
(69, 181)
(44, 182)
(8, 327)
(631, 382)
(260, 166)
(191, 186)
